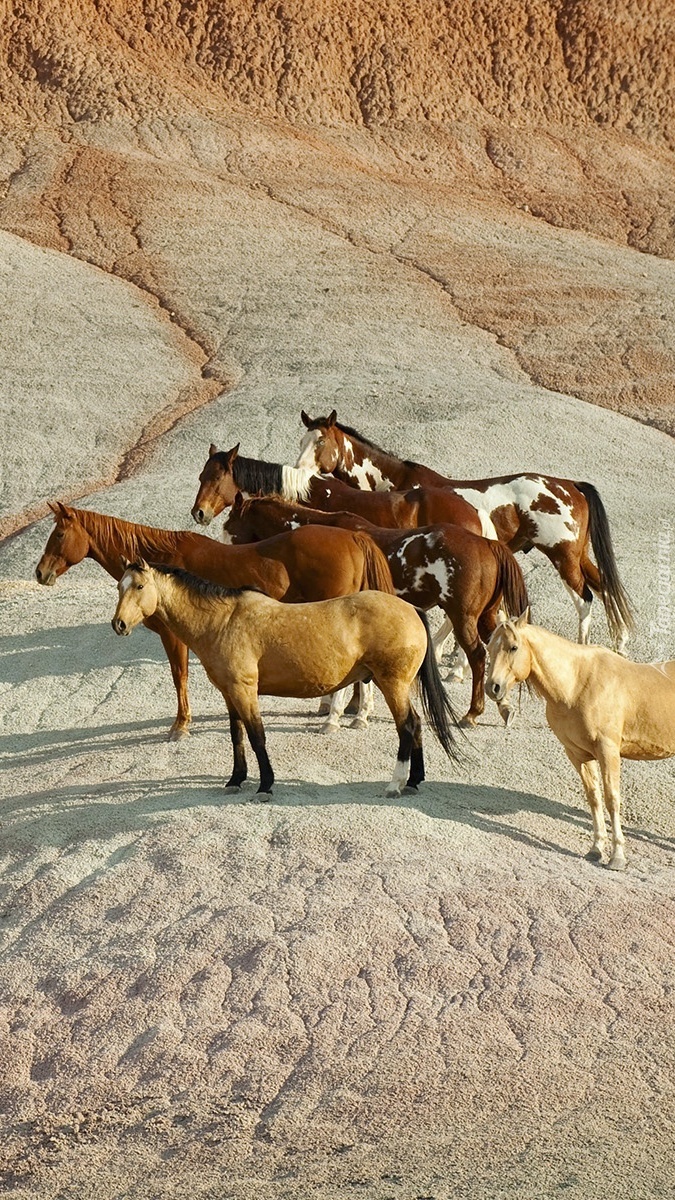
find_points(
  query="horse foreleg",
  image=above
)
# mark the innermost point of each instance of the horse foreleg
(366, 706)
(590, 778)
(610, 769)
(177, 654)
(356, 703)
(338, 701)
(240, 769)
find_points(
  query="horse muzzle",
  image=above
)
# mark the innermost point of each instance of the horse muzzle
(496, 690)
(46, 578)
(202, 515)
(120, 627)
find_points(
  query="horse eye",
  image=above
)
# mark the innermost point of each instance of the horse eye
(139, 587)
(512, 649)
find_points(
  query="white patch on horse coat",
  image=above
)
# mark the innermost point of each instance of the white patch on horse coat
(361, 471)
(307, 457)
(523, 492)
(296, 482)
(225, 536)
(125, 583)
(487, 528)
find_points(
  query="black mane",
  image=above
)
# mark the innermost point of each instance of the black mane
(254, 475)
(210, 591)
(373, 445)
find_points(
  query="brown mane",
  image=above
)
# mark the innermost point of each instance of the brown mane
(114, 535)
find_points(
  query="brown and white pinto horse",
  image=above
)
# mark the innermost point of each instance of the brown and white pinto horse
(226, 472)
(307, 565)
(468, 577)
(561, 518)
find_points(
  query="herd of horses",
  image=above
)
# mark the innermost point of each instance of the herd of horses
(322, 581)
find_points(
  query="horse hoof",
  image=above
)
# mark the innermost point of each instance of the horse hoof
(330, 727)
(410, 787)
(593, 855)
(617, 864)
(263, 797)
(177, 735)
(324, 708)
(467, 722)
(359, 723)
(232, 787)
(392, 790)
(352, 707)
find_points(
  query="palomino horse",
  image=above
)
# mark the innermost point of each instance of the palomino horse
(251, 645)
(468, 577)
(308, 564)
(561, 518)
(226, 472)
(600, 706)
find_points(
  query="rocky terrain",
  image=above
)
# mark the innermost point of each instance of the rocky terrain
(455, 225)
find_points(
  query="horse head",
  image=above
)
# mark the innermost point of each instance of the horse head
(217, 487)
(67, 545)
(510, 657)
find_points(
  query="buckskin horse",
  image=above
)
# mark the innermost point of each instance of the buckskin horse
(251, 645)
(468, 577)
(559, 517)
(307, 564)
(601, 707)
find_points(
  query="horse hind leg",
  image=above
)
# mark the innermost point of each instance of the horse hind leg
(610, 769)
(240, 769)
(338, 701)
(409, 760)
(245, 704)
(366, 706)
(583, 604)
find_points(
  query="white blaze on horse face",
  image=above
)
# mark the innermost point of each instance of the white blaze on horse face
(551, 528)
(125, 582)
(307, 455)
(366, 472)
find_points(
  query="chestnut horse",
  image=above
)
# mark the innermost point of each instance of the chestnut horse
(468, 577)
(251, 645)
(561, 518)
(226, 472)
(307, 564)
(600, 706)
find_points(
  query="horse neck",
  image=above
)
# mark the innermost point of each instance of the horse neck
(191, 617)
(111, 537)
(369, 467)
(554, 665)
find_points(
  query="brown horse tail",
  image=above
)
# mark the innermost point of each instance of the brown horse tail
(510, 581)
(613, 593)
(377, 576)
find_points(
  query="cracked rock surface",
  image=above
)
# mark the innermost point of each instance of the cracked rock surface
(455, 227)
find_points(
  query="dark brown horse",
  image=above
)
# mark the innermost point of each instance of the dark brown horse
(308, 564)
(226, 472)
(561, 518)
(468, 577)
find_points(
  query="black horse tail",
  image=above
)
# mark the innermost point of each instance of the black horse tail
(510, 581)
(613, 593)
(435, 704)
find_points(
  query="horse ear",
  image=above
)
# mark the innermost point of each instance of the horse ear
(124, 563)
(232, 454)
(238, 500)
(305, 419)
(332, 418)
(141, 564)
(58, 509)
(523, 618)
(213, 449)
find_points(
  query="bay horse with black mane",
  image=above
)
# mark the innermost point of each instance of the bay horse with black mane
(251, 645)
(226, 472)
(562, 518)
(468, 577)
(308, 564)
